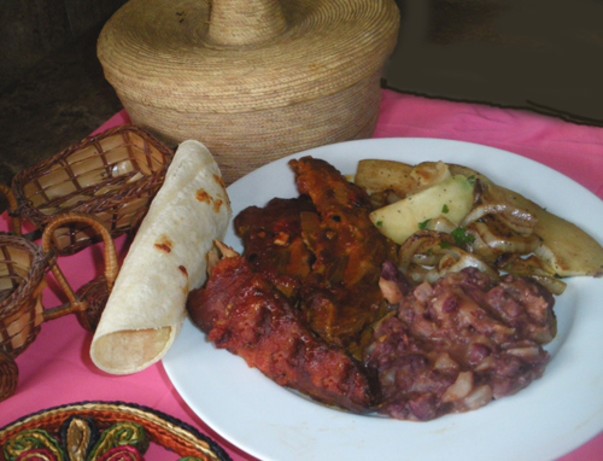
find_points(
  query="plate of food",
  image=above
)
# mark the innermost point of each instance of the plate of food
(529, 396)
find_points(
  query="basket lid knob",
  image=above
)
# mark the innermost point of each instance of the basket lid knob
(245, 22)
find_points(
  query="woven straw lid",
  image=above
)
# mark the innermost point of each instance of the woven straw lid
(189, 68)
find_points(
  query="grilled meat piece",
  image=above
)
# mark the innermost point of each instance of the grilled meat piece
(322, 251)
(460, 342)
(341, 296)
(241, 311)
(273, 242)
(349, 250)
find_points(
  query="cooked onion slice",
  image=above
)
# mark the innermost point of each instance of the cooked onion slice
(481, 396)
(504, 240)
(519, 220)
(441, 224)
(460, 388)
(455, 260)
(428, 255)
(534, 267)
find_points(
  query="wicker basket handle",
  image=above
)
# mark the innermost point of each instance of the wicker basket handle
(14, 220)
(245, 22)
(78, 304)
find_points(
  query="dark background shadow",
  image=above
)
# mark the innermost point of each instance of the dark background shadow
(541, 55)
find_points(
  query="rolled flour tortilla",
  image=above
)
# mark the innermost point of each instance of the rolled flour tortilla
(167, 258)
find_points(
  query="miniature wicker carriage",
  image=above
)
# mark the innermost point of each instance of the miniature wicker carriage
(112, 176)
(23, 269)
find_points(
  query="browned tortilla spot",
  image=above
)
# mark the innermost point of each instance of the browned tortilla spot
(165, 245)
(203, 196)
(220, 180)
(183, 270)
(217, 205)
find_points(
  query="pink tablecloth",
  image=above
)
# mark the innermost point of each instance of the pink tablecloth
(56, 368)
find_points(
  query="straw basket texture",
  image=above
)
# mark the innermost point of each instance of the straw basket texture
(252, 79)
(112, 176)
(51, 430)
(9, 376)
(23, 267)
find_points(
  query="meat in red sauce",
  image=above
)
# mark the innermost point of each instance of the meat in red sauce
(244, 313)
(323, 249)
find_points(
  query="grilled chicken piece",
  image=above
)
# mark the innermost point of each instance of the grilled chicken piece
(349, 250)
(273, 242)
(322, 251)
(241, 311)
(340, 297)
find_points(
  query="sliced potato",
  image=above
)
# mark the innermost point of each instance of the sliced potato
(426, 174)
(403, 179)
(565, 247)
(381, 175)
(451, 198)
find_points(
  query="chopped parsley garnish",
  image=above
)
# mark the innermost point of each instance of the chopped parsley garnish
(461, 237)
(445, 209)
(423, 225)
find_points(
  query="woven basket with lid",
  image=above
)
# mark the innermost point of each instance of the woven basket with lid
(252, 79)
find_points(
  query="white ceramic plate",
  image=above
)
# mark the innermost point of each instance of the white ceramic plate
(551, 417)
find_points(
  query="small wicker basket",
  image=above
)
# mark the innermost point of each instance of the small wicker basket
(253, 80)
(112, 176)
(163, 430)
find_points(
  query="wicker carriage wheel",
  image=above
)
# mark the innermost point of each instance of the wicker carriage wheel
(9, 376)
(90, 300)
(23, 267)
(14, 222)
